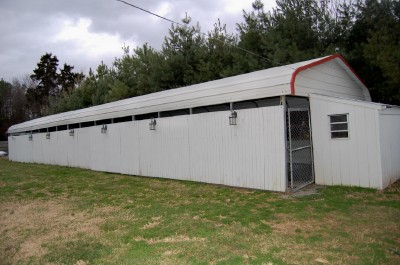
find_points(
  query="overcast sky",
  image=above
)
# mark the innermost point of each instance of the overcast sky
(83, 33)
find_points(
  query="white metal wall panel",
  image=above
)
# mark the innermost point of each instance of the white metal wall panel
(329, 79)
(207, 148)
(199, 147)
(68, 141)
(36, 148)
(60, 148)
(129, 163)
(389, 121)
(20, 148)
(273, 139)
(40, 150)
(250, 154)
(98, 149)
(48, 155)
(354, 161)
(72, 149)
(148, 158)
(175, 147)
(82, 147)
(12, 148)
(57, 155)
(164, 152)
(112, 148)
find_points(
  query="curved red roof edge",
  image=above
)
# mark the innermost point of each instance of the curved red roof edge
(324, 60)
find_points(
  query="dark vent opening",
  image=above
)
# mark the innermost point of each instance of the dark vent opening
(257, 103)
(105, 121)
(172, 113)
(123, 119)
(297, 102)
(146, 116)
(211, 108)
(74, 126)
(87, 124)
(62, 128)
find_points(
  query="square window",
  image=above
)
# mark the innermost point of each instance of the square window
(339, 126)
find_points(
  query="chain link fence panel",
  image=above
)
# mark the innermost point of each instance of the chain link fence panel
(300, 148)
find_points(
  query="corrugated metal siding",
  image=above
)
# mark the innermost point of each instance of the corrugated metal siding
(130, 147)
(354, 161)
(21, 149)
(328, 79)
(251, 154)
(40, 152)
(389, 120)
(200, 147)
(11, 148)
(81, 151)
(164, 152)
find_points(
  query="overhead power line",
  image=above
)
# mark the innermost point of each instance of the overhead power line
(151, 13)
(180, 24)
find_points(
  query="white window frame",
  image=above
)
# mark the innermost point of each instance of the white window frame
(341, 122)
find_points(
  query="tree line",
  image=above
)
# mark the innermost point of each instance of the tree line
(365, 31)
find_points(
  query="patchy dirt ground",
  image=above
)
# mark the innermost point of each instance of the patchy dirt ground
(27, 227)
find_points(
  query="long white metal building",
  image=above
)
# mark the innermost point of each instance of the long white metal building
(276, 129)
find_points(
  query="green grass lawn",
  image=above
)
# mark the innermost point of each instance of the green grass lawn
(60, 215)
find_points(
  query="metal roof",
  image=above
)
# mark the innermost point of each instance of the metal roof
(270, 82)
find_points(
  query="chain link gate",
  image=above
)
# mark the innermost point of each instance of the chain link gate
(300, 148)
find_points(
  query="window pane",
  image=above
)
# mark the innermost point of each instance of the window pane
(339, 135)
(338, 126)
(338, 118)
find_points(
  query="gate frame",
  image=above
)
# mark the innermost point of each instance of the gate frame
(290, 150)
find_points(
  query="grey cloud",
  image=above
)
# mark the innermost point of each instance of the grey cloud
(27, 27)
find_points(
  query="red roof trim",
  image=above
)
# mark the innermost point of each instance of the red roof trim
(324, 60)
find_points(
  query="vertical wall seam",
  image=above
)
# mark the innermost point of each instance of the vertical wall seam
(379, 146)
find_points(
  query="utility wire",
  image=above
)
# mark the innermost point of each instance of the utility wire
(177, 23)
(151, 13)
